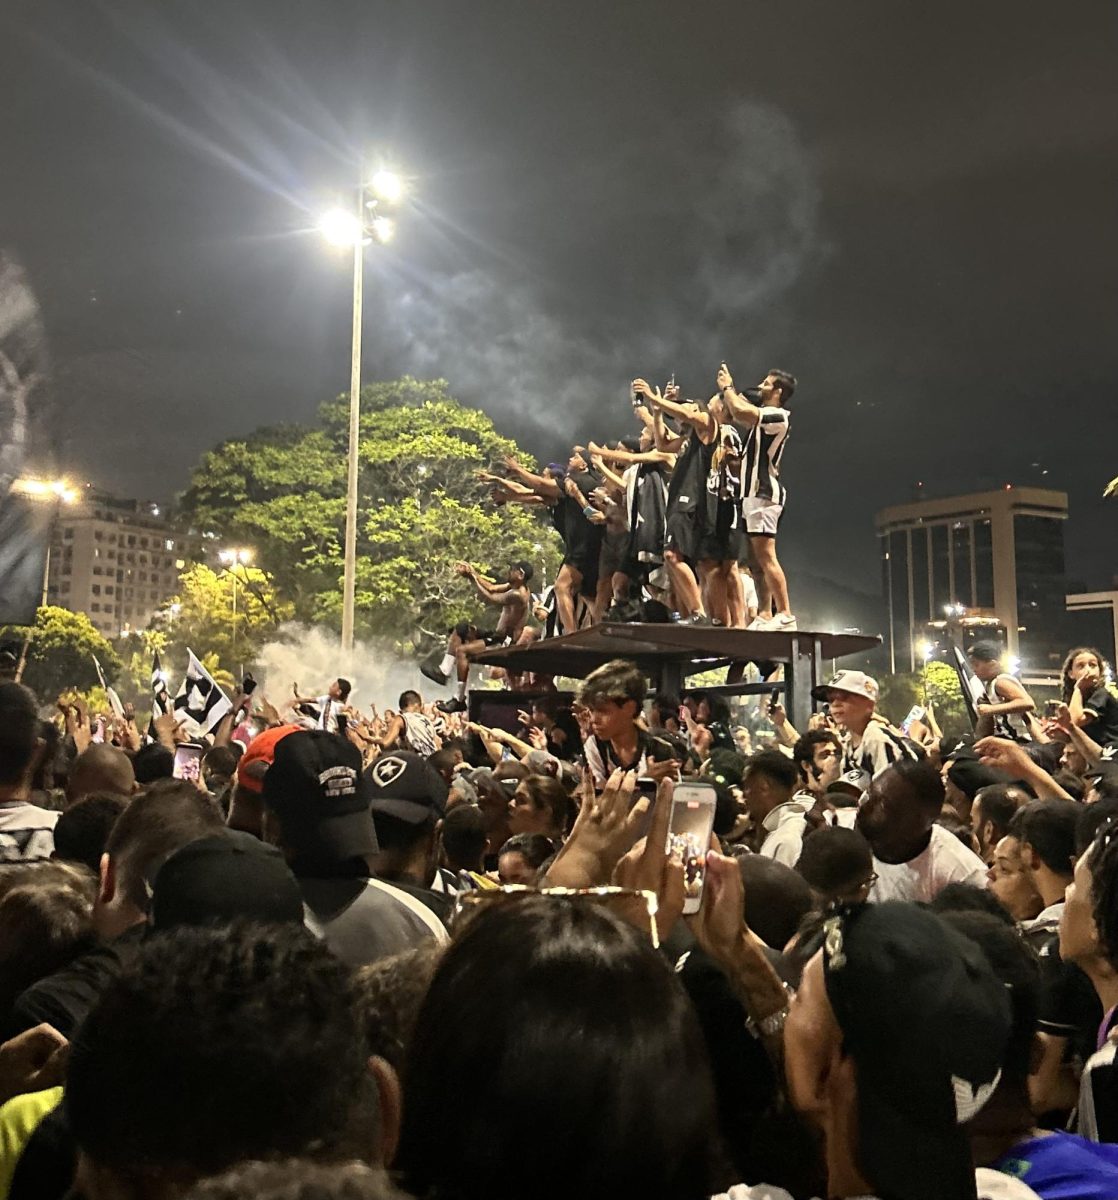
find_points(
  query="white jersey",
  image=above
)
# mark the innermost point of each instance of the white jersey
(764, 448)
(946, 860)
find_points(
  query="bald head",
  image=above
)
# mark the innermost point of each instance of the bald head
(100, 769)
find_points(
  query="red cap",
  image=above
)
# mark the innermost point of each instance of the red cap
(258, 757)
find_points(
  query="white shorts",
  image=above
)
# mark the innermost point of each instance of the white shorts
(761, 516)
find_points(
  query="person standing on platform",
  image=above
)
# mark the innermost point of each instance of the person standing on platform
(763, 494)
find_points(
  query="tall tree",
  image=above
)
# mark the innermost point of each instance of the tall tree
(61, 651)
(421, 507)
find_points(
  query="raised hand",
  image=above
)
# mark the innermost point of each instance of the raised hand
(724, 378)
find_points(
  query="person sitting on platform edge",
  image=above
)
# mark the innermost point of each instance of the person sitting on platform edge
(467, 641)
(868, 746)
(614, 695)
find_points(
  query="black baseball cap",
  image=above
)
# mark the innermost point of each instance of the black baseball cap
(406, 786)
(316, 789)
(219, 879)
(926, 1021)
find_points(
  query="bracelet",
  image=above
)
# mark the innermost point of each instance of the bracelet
(771, 1025)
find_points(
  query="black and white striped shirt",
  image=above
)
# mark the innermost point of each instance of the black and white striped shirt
(764, 447)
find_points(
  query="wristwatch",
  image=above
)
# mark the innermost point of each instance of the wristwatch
(771, 1025)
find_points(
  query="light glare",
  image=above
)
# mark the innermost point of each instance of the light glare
(340, 228)
(387, 186)
(384, 229)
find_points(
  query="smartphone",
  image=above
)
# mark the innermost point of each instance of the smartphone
(1052, 708)
(188, 762)
(248, 685)
(915, 713)
(689, 830)
(774, 697)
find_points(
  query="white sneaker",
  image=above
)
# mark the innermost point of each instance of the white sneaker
(782, 623)
(757, 623)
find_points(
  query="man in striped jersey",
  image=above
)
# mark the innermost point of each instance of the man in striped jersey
(764, 413)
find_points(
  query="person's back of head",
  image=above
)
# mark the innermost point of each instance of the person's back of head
(398, 838)
(344, 688)
(410, 699)
(924, 781)
(837, 862)
(465, 833)
(776, 899)
(1073, 784)
(83, 829)
(961, 897)
(214, 1046)
(1018, 967)
(1091, 818)
(297, 1179)
(1047, 828)
(566, 1013)
(155, 824)
(19, 726)
(44, 926)
(389, 994)
(152, 762)
(100, 768)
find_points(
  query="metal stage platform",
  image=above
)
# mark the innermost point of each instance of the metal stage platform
(670, 653)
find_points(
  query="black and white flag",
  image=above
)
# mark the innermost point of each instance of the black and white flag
(200, 703)
(160, 698)
(114, 699)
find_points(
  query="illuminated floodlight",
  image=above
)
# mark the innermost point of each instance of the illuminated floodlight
(384, 229)
(236, 554)
(924, 650)
(340, 228)
(387, 186)
(44, 489)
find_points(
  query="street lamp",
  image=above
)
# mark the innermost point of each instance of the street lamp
(357, 228)
(229, 559)
(47, 491)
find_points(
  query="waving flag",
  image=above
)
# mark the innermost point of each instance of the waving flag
(200, 703)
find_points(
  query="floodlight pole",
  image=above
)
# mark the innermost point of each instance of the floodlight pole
(349, 579)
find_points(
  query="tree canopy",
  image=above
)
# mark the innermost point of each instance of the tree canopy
(61, 652)
(421, 507)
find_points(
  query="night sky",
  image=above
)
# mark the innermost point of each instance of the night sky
(911, 206)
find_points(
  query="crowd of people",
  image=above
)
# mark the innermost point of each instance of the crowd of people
(408, 954)
(677, 522)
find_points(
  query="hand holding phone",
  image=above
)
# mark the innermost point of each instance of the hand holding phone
(689, 829)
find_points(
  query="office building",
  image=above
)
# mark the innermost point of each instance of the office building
(1094, 621)
(116, 560)
(990, 557)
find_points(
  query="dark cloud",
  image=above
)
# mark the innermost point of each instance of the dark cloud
(910, 206)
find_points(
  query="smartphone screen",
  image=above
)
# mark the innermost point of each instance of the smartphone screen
(692, 821)
(188, 762)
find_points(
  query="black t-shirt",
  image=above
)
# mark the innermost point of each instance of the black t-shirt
(1103, 705)
(64, 998)
(1069, 1005)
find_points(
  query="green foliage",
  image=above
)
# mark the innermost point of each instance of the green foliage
(420, 508)
(901, 691)
(60, 655)
(202, 618)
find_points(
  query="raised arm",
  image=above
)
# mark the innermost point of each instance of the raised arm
(628, 457)
(540, 484)
(741, 409)
(690, 413)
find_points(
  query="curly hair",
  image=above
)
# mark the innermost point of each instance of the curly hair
(297, 1179)
(219, 1045)
(1067, 684)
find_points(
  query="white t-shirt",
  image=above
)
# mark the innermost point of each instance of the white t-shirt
(328, 709)
(946, 860)
(990, 1185)
(26, 832)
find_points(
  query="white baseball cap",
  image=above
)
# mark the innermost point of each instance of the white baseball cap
(857, 683)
